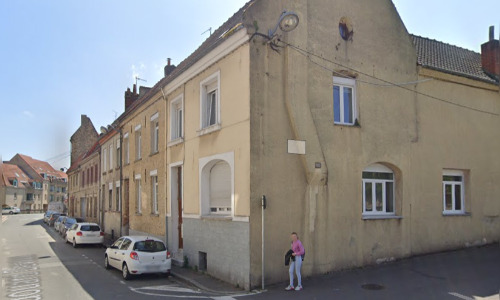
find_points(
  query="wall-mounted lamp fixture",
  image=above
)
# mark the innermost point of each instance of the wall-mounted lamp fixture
(288, 21)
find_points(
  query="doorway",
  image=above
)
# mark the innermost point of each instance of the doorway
(176, 210)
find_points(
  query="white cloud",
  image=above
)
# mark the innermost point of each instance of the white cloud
(28, 114)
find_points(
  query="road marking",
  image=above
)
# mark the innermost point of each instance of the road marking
(4, 218)
(170, 288)
(460, 296)
(21, 279)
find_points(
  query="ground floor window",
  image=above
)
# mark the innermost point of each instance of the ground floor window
(378, 190)
(453, 192)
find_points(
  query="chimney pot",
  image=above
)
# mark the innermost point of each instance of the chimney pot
(492, 33)
(168, 61)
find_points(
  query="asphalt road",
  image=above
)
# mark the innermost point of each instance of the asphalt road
(37, 264)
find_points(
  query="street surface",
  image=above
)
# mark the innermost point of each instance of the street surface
(38, 264)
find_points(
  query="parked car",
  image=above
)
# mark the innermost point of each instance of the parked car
(47, 215)
(58, 222)
(135, 255)
(84, 233)
(53, 218)
(67, 223)
(10, 210)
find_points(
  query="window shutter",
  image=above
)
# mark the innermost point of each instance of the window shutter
(220, 185)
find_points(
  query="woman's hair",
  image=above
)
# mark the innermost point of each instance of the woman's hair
(295, 234)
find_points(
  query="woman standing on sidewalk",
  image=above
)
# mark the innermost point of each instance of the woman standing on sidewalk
(296, 264)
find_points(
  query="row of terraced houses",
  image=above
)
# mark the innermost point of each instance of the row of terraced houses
(371, 143)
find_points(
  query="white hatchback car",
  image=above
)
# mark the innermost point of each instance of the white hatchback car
(135, 255)
(84, 233)
(10, 210)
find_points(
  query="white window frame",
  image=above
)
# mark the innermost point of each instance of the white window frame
(378, 168)
(206, 163)
(126, 141)
(155, 133)
(454, 184)
(344, 83)
(208, 86)
(138, 194)
(118, 196)
(154, 193)
(138, 142)
(104, 160)
(118, 154)
(177, 118)
(111, 156)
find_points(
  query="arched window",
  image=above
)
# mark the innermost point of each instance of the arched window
(378, 190)
(220, 188)
(217, 185)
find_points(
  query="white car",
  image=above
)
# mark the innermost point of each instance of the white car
(84, 233)
(10, 210)
(135, 255)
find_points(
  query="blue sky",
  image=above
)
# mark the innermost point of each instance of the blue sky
(65, 58)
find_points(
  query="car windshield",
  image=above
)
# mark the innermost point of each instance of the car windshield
(90, 228)
(149, 246)
(70, 221)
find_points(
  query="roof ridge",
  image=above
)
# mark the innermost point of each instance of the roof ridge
(445, 43)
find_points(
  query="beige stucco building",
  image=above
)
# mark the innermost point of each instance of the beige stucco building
(110, 182)
(371, 143)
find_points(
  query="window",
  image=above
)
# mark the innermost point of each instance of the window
(111, 157)
(138, 142)
(126, 147)
(15, 196)
(176, 117)
(104, 160)
(210, 101)
(14, 182)
(344, 101)
(96, 174)
(118, 196)
(110, 202)
(118, 154)
(155, 130)
(154, 194)
(378, 190)
(217, 184)
(138, 195)
(453, 192)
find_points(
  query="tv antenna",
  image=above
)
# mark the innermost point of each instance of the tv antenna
(208, 30)
(137, 78)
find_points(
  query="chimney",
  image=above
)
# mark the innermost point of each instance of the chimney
(490, 55)
(168, 68)
(130, 97)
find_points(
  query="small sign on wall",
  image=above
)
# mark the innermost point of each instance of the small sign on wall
(296, 147)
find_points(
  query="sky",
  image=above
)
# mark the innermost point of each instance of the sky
(62, 59)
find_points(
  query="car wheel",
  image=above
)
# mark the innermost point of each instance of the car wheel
(74, 243)
(125, 273)
(106, 262)
(11, 212)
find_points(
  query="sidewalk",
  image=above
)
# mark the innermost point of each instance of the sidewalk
(467, 274)
(204, 281)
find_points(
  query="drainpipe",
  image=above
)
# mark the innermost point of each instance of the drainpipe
(121, 181)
